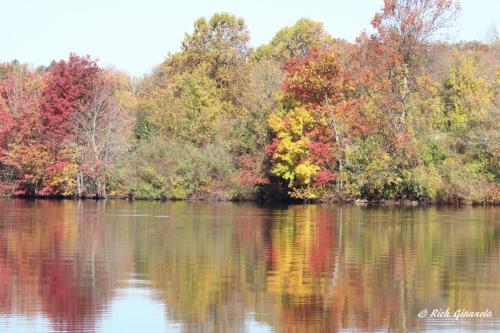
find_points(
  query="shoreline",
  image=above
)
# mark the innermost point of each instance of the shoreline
(350, 202)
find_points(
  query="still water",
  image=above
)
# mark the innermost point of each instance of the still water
(118, 266)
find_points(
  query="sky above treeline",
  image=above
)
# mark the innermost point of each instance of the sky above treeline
(135, 35)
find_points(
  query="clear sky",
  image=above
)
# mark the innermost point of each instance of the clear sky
(136, 35)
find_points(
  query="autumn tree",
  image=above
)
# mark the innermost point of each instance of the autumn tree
(197, 99)
(251, 132)
(219, 47)
(295, 41)
(404, 28)
(188, 108)
(100, 129)
(68, 85)
(83, 126)
(317, 113)
(24, 156)
(400, 100)
(67, 88)
(469, 127)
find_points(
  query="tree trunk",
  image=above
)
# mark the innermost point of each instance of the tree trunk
(79, 183)
(341, 183)
(337, 140)
(101, 188)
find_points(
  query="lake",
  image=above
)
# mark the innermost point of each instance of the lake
(119, 266)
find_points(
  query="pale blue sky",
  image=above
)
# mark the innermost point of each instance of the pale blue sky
(136, 35)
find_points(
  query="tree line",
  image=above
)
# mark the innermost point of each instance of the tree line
(398, 114)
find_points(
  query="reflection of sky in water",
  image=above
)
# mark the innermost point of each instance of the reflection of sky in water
(253, 326)
(136, 310)
(139, 309)
(131, 310)
(21, 324)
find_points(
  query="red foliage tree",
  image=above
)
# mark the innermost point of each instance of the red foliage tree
(68, 86)
(316, 78)
(390, 60)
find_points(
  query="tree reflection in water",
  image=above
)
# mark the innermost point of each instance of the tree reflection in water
(220, 266)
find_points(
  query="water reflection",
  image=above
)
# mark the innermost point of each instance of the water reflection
(90, 266)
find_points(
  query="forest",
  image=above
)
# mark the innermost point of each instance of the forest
(401, 113)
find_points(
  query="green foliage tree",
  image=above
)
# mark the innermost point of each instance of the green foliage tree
(466, 97)
(169, 168)
(188, 108)
(471, 167)
(295, 41)
(219, 48)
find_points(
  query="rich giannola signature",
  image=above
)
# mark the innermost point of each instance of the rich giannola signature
(456, 314)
